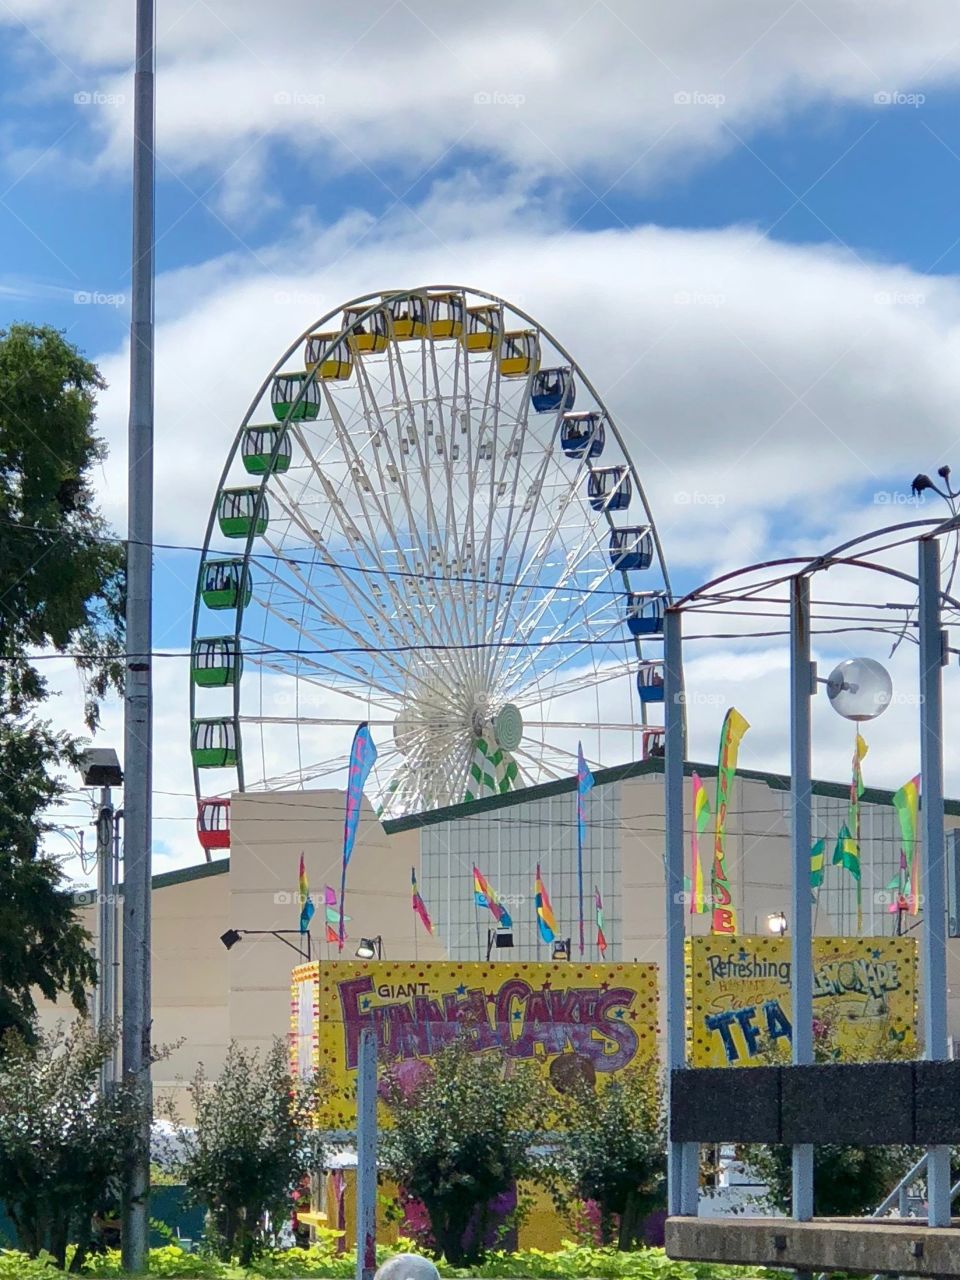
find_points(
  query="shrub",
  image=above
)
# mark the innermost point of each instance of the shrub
(460, 1137)
(252, 1144)
(611, 1149)
(63, 1145)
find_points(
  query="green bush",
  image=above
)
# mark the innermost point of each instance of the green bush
(572, 1262)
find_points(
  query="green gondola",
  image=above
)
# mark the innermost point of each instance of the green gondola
(220, 584)
(266, 449)
(215, 662)
(213, 743)
(285, 390)
(238, 513)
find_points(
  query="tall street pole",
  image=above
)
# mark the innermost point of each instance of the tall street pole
(138, 723)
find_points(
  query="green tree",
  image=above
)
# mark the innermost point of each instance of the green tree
(611, 1149)
(847, 1181)
(63, 1144)
(252, 1144)
(461, 1136)
(61, 589)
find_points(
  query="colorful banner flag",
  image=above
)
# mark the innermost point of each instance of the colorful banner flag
(906, 801)
(601, 937)
(484, 895)
(545, 918)
(818, 852)
(306, 902)
(846, 853)
(362, 756)
(418, 903)
(331, 911)
(850, 852)
(332, 935)
(584, 783)
(731, 735)
(701, 820)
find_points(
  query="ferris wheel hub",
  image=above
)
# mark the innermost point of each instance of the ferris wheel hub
(508, 727)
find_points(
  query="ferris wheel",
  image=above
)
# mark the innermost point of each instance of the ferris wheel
(415, 527)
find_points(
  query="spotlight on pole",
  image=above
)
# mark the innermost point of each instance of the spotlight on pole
(777, 923)
(370, 948)
(561, 949)
(230, 938)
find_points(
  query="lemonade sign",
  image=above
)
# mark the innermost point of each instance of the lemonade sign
(740, 1011)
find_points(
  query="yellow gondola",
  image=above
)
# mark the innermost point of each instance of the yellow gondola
(408, 317)
(484, 328)
(519, 354)
(336, 365)
(371, 335)
(445, 315)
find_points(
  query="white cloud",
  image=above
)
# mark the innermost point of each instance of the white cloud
(755, 383)
(584, 93)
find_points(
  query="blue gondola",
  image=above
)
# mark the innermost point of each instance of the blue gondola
(645, 613)
(582, 434)
(609, 489)
(553, 389)
(650, 682)
(631, 548)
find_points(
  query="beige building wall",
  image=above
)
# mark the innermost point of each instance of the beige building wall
(203, 995)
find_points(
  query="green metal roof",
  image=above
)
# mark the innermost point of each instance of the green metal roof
(85, 897)
(636, 769)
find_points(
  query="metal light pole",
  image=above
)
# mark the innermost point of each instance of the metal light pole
(138, 724)
(682, 1157)
(802, 686)
(933, 881)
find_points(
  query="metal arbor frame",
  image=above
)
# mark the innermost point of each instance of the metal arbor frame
(742, 591)
(529, 604)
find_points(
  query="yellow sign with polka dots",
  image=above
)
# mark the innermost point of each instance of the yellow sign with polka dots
(576, 1021)
(740, 1012)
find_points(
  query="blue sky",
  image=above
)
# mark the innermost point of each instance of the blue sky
(742, 222)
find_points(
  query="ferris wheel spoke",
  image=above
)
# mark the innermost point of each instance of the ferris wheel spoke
(426, 598)
(382, 509)
(388, 667)
(534, 562)
(586, 627)
(539, 692)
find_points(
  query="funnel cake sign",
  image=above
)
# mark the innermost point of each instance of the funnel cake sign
(740, 1009)
(577, 1021)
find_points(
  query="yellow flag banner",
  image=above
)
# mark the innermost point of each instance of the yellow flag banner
(740, 1009)
(724, 912)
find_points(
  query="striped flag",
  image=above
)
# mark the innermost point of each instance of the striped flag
(306, 902)
(601, 938)
(817, 857)
(484, 895)
(545, 918)
(418, 903)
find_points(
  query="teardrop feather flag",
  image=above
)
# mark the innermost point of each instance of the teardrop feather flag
(362, 756)
(724, 912)
(701, 820)
(906, 801)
